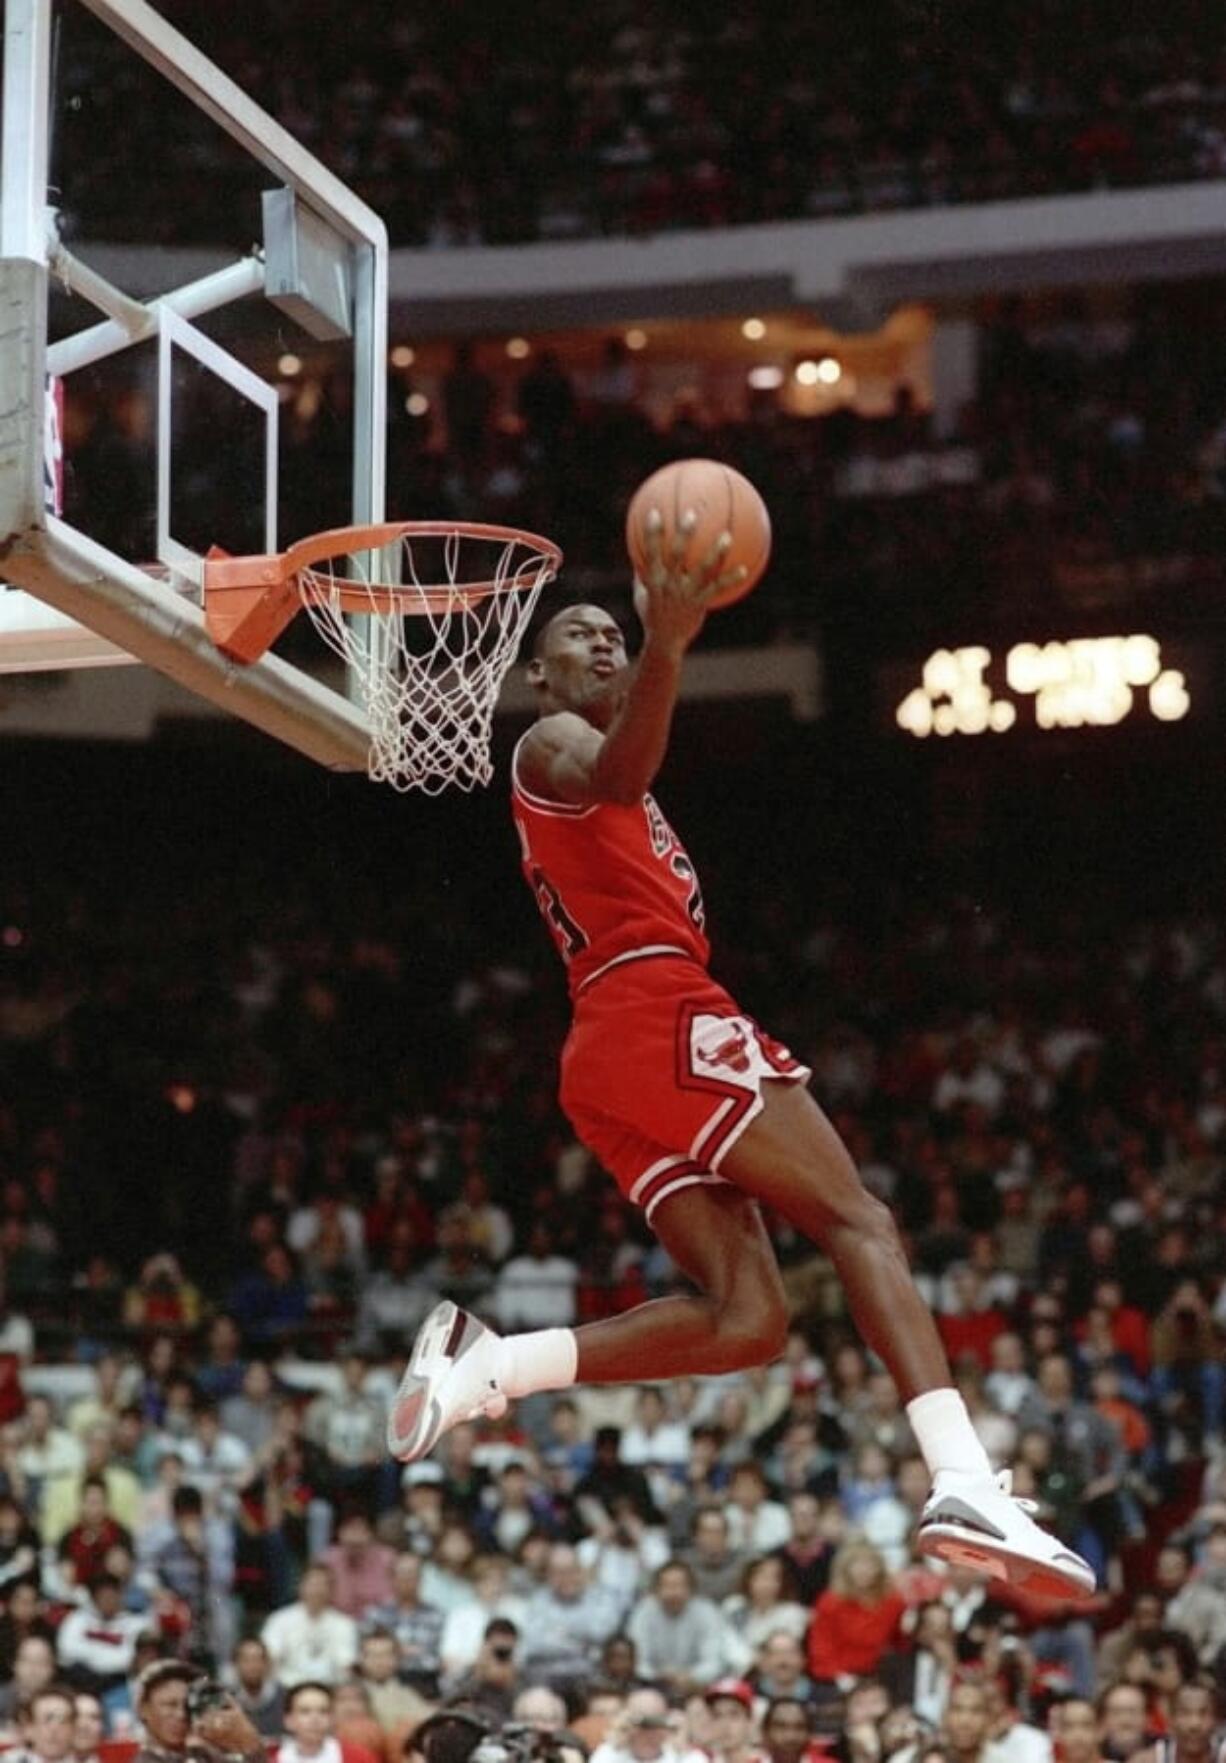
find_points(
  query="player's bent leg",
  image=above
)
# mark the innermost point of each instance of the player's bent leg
(738, 1316)
(459, 1369)
(792, 1159)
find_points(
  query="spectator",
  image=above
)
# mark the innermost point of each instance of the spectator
(755, 1522)
(730, 1701)
(645, 1732)
(923, 1676)
(33, 1670)
(309, 1729)
(348, 1426)
(537, 1289)
(250, 1413)
(765, 1604)
(196, 1563)
(566, 1622)
(465, 1626)
(856, 1619)
(1124, 1720)
(48, 1719)
(85, 1546)
(779, 1668)
(493, 1680)
(161, 1703)
(395, 1706)
(652, 1440)
(96, 1643)
(213, 1461)
(362, 1569)
(717, 1568)
(88, 1727)
(681, 1639)
(965, 1728)
(1074, 1726)
(786, 1733)
(417, 1523)
(254, 1687)
(311, 1640)
(415, 1626)
(25, 1617)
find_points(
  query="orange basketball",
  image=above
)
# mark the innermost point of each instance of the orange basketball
(722, 501)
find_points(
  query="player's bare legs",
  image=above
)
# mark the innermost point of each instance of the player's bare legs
(737, 1317)
(792, 1160)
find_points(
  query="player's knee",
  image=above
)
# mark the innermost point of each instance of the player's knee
(753, 1329)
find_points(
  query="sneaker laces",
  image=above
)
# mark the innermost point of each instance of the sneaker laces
(1004, 1482)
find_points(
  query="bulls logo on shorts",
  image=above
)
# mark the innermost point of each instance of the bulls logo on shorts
(721, 1045)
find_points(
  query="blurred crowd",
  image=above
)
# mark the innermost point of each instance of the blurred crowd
(548, 122)
(1089, 470)
(243, 1152)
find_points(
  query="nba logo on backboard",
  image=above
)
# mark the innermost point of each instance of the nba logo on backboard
(53, 446)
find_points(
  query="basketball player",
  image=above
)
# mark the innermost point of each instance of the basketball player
(699, 1115)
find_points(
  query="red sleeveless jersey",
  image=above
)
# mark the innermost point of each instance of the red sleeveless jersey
(612, 881)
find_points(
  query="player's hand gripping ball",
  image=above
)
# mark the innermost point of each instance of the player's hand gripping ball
(720, 500)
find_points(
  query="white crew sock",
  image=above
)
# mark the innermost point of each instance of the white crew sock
(944, 1433)
(546, 1359)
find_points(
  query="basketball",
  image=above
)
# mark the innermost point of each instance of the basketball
(723, 501)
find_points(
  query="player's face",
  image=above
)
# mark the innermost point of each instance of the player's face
(582, 661)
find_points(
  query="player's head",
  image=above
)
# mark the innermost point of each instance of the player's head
(579, 663)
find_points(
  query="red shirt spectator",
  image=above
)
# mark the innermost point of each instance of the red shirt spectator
(857, 1618)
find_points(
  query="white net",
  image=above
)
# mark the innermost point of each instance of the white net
(429, 626)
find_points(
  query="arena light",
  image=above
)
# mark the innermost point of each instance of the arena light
(766, 378)
(403, 356)
(288, 366)
(636, 339)
(829, 371)
(753, 329)
(518, 348)
(807, 373)
(417, 404)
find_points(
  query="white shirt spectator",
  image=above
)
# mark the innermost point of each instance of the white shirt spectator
(102, 1644)
(536, 1290)
(1021, 1744)
(320, 1648)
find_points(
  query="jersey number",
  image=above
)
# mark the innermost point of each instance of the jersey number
(684, 870)
(570, 938)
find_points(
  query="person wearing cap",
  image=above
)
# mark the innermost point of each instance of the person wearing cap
(646, 1731)
(417, 1521)
(731, 1732)
(311, 1638)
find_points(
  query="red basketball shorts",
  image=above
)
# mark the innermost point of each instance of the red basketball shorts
(661, 1074)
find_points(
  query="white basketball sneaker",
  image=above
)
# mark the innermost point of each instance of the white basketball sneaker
(451, 1376)
(975, 1521)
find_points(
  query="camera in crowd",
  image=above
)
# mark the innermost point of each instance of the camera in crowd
(463, 1734)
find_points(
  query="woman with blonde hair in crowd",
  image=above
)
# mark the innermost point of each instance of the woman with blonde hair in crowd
(856, 1619)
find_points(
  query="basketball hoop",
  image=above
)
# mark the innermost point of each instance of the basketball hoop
(428, 615)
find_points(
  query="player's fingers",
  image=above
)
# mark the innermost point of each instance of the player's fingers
(681, 536)
(731, 578)
(714, 556)
(653, 540)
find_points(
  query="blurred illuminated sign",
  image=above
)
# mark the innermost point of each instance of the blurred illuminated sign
(1088, 682)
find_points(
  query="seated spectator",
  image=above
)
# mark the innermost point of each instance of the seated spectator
(964, 1731)
(779, 1668)
(47, 1722)
(20, 1545)
(250, 1413)
(62, 1498)
(922, 1675)
(96, 1643)
(787, 1735)
(213, 1461)
(682, 1640)
(765, 1604)
(609, 1481)
(84, 1546)
(731, 1729)
(347, 1423)
(566, 1622)
(309, 1734)
(47, 1454)
(362, 1569)
(195, 1562)
(537, 1289)
(219, 1378)
(33, 1669)
(492, 1681)
(415, 1626)
(653, 1440)
(465, 1626)
(756, 1523)
(810, 1550)
(271, 1302)
(88, 1727)
(160, 1700)
(1193, 1725)
(395, 1706)
(354, 1720)
(717, 1568)
(417, 1522)
(162, 1298)
(254, 1687)
(646, 1732)
(856, 1619)
(1124, 1721)
(310, 1639)
(25, 1614)
(114, 1383)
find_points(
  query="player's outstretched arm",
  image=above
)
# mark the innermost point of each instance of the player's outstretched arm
(576, 762)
